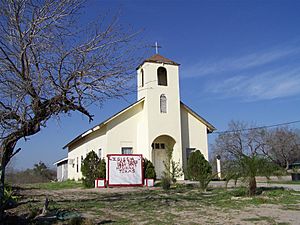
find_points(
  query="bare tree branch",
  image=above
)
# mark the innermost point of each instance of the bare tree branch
(50, 65)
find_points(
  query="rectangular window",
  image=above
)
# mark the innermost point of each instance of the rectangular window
(188, 153)
(163, 104)
(77, 166)
(158, 146)
(142, 78)
(126, 150)
(100, 153)
(71, 162)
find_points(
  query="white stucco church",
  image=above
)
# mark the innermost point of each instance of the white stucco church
(156, 120)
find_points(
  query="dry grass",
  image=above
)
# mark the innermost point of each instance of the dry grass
(180, 205)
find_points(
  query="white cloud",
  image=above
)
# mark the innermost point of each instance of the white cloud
(262, 75)
(239, 63)
(278, 83)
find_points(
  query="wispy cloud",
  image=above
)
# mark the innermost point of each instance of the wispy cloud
(239, 63)
(278, 83)
(262, 75)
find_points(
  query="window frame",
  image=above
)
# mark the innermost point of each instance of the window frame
(100, 153)
(163, 103)
(126, 148)
(77, 165)
(158, 145)
(162, 76)
(142, 78)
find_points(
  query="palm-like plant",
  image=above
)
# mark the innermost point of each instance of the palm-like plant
(243, 147)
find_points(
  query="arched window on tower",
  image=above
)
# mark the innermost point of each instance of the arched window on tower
(142, 77)
(163, 104)
(162, 76)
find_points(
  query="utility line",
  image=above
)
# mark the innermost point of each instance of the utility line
(255, 128)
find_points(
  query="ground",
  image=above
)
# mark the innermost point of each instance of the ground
(183, 204)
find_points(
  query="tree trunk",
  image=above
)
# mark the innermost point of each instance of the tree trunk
(2, 179)
(7, 153)
(287, 165)
(252, 186)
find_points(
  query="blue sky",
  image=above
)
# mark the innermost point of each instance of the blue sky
(240, 60)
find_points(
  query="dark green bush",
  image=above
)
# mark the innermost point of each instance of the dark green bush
(92, 168)
(199, 169)
(102, 168)
(149, 170)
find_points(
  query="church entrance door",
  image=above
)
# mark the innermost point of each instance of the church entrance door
(159, 153)
(160, 158)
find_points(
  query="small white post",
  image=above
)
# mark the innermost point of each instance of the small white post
(219, 166)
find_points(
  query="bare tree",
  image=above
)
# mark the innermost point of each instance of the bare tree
(283, 146)
(242, 148)
(50, 64)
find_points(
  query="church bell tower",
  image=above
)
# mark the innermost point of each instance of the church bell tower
(158, 85)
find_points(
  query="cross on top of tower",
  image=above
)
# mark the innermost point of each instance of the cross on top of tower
(156, 46)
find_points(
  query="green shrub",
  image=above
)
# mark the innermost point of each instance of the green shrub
(149, 170)
(9, 200)
(239, 192)
(199, 169)
(102, 168)
(175, 171)
(92, 168)
(165, 182)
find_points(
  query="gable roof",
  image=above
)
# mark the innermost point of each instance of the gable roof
(209, 126)
(157, 58)
(103, 123)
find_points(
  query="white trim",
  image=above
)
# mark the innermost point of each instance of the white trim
(59, 161)
(86, 133)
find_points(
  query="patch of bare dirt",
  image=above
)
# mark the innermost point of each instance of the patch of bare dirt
(186, 211)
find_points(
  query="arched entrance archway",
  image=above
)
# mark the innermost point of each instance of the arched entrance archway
(159, 152)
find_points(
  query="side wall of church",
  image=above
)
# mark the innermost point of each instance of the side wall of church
(194, 135)
(96, 141)
(122, 131)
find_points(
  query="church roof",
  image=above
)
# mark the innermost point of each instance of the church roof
(209, 126)
(61, 160)
(103, 123)
(157, 58)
